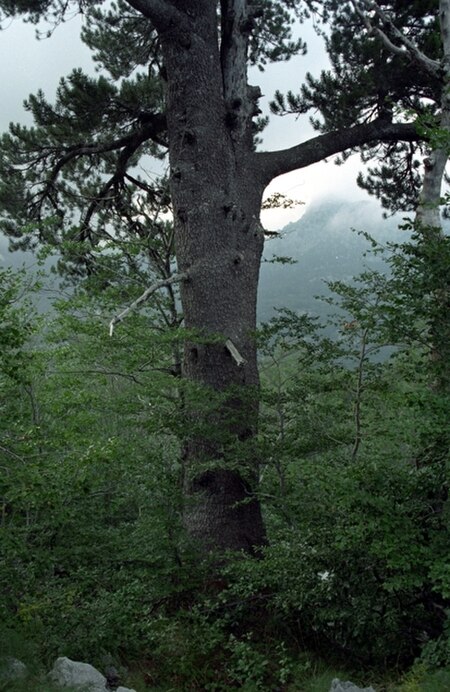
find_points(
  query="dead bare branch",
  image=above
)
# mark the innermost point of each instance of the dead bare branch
(176, 278)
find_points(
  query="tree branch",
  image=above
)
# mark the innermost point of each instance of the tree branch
(129, 143)
(112, 373)
(176, 278)
(163, 14)
(6, 450)
(406, 46)
(119, 174)
(273, 163)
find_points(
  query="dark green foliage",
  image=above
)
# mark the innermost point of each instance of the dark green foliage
(70, 183)
(271, 32)
(359, 471)
(367, 80)
(353, 442)
(89, 450)
(16, 323)
(354, 477)
(53, 12)
(104, 32)
(51, 173)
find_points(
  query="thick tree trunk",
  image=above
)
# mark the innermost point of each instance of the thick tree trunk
(216, 199)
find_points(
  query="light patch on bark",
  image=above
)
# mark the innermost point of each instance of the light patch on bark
(236, 356)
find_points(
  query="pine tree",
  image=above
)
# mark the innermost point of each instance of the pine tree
(368, 79)
(73, 175)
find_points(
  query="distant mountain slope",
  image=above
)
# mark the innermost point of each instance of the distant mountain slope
(321, 241)
(325, 248)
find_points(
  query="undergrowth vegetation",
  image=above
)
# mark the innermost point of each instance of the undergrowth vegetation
(354, 468)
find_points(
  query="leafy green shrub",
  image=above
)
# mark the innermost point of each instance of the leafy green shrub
(356, 474)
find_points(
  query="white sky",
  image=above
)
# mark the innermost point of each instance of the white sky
(27, 65)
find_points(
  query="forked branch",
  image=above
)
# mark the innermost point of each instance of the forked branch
(162, 13)
(176, 278)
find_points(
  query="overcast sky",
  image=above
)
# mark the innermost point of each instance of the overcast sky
(27, 64)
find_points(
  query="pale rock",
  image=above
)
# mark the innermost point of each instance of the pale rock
(67, 673)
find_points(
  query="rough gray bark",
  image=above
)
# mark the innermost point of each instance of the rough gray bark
(428, 214)
(216, 196)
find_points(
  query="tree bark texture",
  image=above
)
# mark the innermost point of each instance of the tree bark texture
(216, 197)
(428, 214)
